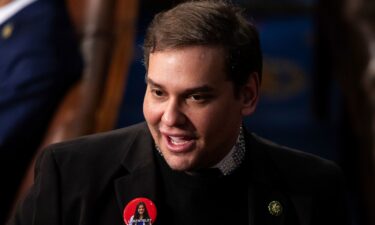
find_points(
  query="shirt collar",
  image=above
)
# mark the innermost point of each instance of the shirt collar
(235, 156)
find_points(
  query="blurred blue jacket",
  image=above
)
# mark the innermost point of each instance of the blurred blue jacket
(39, 61)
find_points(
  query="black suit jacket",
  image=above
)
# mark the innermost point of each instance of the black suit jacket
(90, 180)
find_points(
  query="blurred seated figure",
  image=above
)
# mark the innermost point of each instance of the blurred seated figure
(39, 61)
(346, 52)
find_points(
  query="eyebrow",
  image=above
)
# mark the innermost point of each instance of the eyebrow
(199, 89)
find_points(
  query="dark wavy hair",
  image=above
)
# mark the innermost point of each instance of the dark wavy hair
(136, 213)
(209, 23)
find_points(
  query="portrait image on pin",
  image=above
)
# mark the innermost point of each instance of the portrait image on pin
(140, 211)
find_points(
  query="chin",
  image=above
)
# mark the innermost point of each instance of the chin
(178, 164)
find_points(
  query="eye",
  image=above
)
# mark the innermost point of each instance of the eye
(157, 93)
(199, 98)
(196, 97)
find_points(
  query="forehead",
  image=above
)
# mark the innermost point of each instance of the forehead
(187, 65)
(200, 52)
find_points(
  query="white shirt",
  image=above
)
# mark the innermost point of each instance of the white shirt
(10, 9)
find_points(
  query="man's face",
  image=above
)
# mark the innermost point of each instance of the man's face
(190, 106)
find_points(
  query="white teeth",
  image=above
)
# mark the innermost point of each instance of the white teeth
(178, 140)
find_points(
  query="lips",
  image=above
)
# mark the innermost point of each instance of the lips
(178, 140)
(178, 143)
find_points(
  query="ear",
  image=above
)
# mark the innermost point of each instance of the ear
(250, 94)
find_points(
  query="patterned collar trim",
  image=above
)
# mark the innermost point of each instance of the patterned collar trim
(233, 159)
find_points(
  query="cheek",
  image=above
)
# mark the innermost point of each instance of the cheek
(217, 117)
(150, 111)
(206, 119)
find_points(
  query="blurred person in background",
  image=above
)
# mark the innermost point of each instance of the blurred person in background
(345, 52)
(39, 61)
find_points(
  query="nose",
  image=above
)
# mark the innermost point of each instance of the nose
(173, 115)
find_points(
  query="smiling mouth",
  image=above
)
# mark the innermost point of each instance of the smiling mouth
(179, 144)
(178, 140)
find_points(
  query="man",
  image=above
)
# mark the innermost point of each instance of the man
(39, 61)
(192, 162)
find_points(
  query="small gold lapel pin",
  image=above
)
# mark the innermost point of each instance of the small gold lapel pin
(7, 31)
(275, 208)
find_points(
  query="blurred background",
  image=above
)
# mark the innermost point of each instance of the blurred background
(317, 92)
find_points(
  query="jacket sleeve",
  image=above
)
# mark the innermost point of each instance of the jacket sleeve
(42, 203)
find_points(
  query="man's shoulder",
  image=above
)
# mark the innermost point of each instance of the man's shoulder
(96, 147)
(298, 168)
(96, 158)
(289, 156)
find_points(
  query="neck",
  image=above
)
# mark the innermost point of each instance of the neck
(4, 2)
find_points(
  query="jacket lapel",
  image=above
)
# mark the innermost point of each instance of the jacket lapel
(268, 189)
(303, 206)
(140, 179)
(141, 183)
(251, 204)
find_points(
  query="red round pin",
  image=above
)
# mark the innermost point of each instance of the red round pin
(140, 211)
